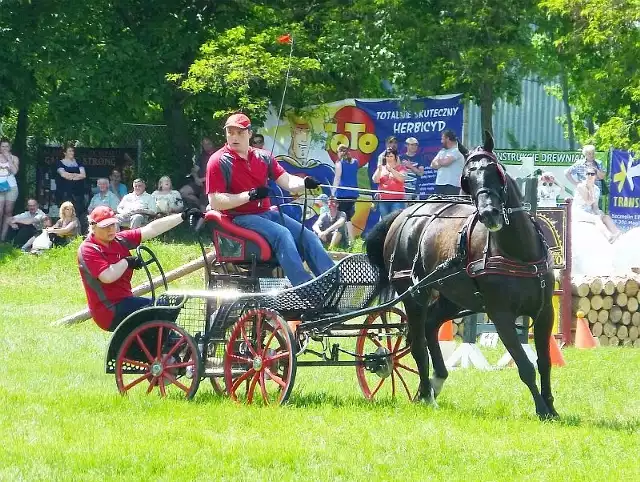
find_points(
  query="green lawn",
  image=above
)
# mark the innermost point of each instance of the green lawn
(62, 418)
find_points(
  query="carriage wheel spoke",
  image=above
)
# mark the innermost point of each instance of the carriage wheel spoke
(388, 337)
(146, 376)
(175, 381)
(402, 353)
(247, 341)
(163, 391)
(175, 347)
(159, 344)
(240, 359)
(263, 388)
(374, 338)
(275, 378)
(398, 342)
(252, 387)
(135, 363)
(271, 336)
(259, 331)
(393, 385)
(404, 384)
(186, 364)
(240, 379)
(279, 356)
(405, 367)
(373, 394)
(144, 348)
(153, 383)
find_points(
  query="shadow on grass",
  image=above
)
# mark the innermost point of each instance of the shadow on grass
(8, 253)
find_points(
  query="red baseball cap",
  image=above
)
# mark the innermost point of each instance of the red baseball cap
(103, 216)
(238, 120)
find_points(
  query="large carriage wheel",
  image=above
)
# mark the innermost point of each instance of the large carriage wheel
(387, 366)
(159, 355)
(260, 359)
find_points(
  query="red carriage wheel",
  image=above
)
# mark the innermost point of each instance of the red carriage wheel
(159, 355)
(387, 367)
(260, 359)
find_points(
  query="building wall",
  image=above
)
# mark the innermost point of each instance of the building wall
(534, 123)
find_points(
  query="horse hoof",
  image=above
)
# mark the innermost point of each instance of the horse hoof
(548, 416)
(436, 384)
(429, 400)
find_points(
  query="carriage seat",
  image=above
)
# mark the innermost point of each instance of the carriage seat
(234, 243)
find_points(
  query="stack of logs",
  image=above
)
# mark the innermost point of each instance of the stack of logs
(611, 307)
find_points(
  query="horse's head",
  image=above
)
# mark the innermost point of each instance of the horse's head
(484, 179)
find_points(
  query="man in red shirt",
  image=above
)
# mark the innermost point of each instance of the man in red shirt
(236, 183)
(106, 265)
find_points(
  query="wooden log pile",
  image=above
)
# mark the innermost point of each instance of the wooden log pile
(610, 305)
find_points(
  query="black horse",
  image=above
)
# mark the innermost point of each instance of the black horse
(486, 257)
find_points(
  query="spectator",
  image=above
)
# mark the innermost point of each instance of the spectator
(27, 247)
(548, 190)
(257, 141)
(330, 226)
(412, 162)
(390, 176)
(390, 142)
(9, 165)
(577, 172)
(207, 150)
(322, 203)
(585, 206)
(346, 177)
(168, 201)
(116, 186)
(104, 196)
(67, 228)
(192, 192)
(25, 225)
(449, 162)
(138, 207)
(70, 182)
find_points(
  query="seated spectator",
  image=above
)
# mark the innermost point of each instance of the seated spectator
(104, 197)
(25, 225)
(138, 207)
(168, 201)
(322, 203)
(585, 207)
(116, 186)
(331, 226)
(67, 228)
(27, 247)
(192, 192)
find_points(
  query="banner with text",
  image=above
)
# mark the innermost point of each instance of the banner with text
(306, 143)
(624, 192)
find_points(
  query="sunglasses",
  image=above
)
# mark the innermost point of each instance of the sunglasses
(591, 174)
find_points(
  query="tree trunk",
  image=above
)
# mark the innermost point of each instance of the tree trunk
(486, 108)
(19, 148)
(567, 109)
(180, 146)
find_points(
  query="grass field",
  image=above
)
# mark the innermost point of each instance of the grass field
(62, 418)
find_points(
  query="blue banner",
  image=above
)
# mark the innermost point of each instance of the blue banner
(624, 192)
(423, 119)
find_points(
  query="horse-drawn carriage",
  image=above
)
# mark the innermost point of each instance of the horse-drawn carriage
(247, 331)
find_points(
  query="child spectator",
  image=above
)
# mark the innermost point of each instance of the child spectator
(138, 207)
(168, 201)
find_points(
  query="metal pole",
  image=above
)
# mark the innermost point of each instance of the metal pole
(139, 157)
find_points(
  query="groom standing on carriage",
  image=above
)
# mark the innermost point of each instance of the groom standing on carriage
(236, 184)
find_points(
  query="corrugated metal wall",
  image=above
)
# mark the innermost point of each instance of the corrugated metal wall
(533, 123)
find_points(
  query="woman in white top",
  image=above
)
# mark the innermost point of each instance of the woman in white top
(585, 207)
(9, 165)
(168, 201)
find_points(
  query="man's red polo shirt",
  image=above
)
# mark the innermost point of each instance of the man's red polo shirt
(93, 259)
(228, 173)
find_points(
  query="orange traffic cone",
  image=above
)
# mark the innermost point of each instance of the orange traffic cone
(557, 360)
(445, 333)
(584, 338)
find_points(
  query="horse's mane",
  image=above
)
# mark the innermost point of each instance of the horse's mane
(513, 186)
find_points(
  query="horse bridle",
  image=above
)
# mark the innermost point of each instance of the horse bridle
(502, 194)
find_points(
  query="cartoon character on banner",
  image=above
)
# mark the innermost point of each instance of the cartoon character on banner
(548, 190)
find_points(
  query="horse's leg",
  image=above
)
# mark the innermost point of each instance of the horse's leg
(415, 319)
(441, 311)
(506, 328)
(542, 335)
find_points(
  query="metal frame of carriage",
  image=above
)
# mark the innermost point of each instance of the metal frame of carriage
(249, 331)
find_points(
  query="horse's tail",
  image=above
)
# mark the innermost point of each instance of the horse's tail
(375, 245)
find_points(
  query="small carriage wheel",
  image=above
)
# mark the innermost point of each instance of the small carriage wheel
(260, 359)
(159, 355)
(386, 367)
